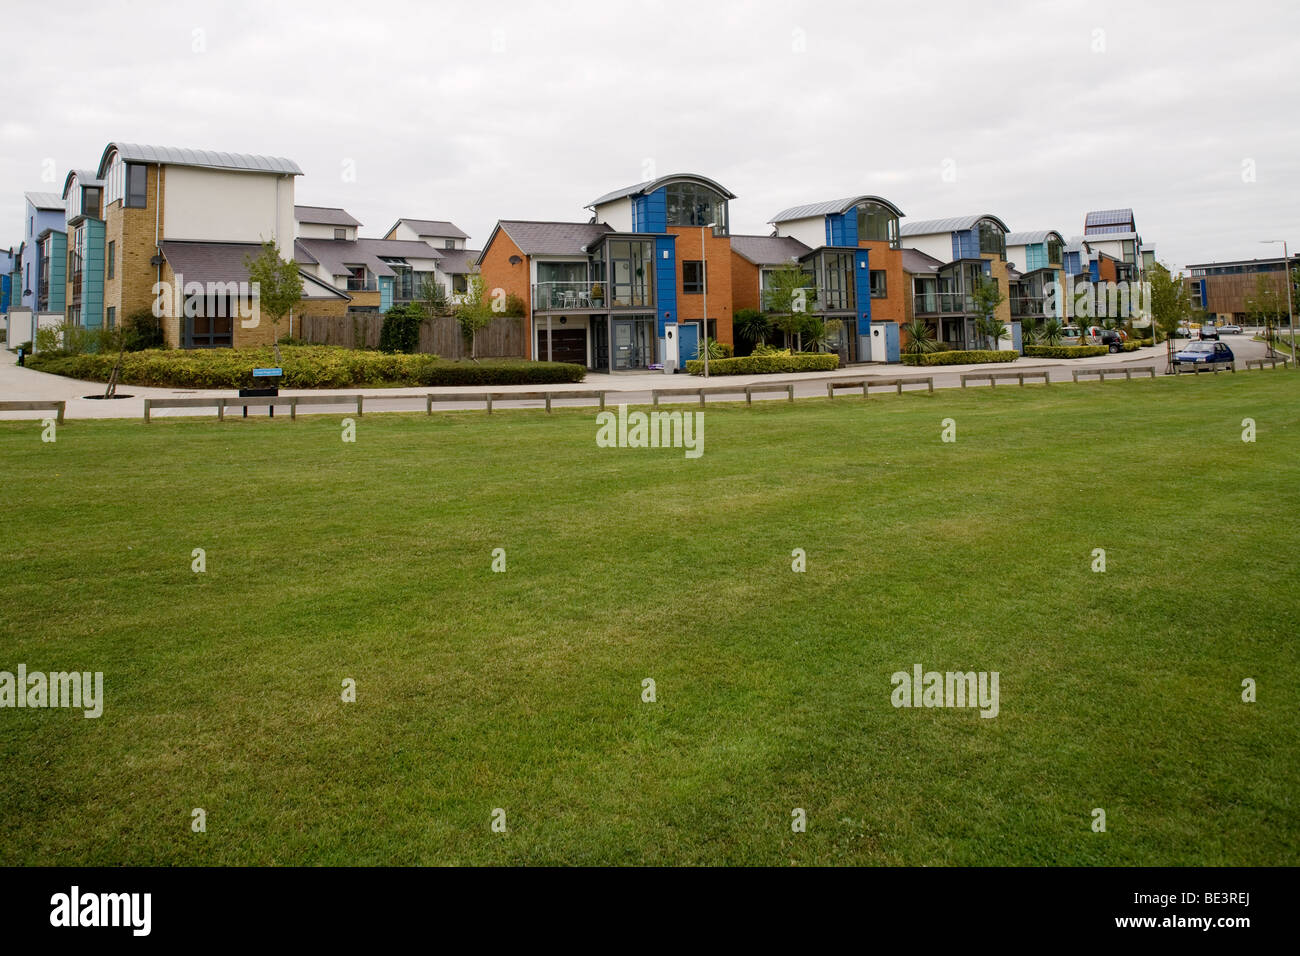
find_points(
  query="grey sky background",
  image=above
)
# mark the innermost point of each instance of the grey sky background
(1035, 112)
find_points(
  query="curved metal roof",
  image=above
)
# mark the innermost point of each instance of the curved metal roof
(831, 207)
(651, 185)
(1029, 238)
(929, 227)
(45, 200)
(205, 158)
(86, 176)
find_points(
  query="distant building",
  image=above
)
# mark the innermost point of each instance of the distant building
(1223, 290)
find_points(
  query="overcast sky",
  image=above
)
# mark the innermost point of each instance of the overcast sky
(477, 111)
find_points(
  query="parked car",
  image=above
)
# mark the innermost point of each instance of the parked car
(1112, 339)
(1209, 333)
(1230, 330)
(1198, 355)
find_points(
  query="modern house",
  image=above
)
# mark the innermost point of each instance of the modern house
(8, 276)
(183, 217)
(88, 266)
(456, 262)
(856, 264)
(1041, 288)
(43, 252)
(1113, 233)
(609, 291)
(951, 258)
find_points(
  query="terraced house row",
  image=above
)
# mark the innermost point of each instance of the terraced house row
(645, 264)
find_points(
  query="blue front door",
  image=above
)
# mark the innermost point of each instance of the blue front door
(688, 343)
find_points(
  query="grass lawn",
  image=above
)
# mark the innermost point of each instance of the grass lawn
(522, 690)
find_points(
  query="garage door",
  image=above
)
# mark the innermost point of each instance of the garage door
(567, 345)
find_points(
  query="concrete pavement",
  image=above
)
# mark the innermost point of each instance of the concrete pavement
(25, 384)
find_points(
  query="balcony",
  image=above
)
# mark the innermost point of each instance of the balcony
(590, 296)
(1027, 305)
(359, 284)
(943, 303)
(816, 301)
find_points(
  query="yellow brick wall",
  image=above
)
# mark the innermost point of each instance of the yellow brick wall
(132, 231)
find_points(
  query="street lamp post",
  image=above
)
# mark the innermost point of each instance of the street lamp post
(704, 276)
(1286, 279)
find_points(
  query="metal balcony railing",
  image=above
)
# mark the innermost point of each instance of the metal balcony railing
(943, 303)
(579, 295)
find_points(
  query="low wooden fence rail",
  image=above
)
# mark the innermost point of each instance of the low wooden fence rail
(58, 407)
(222, 402)
(995, 377)
(869, 383)
(1271, 362)
(1101, 372)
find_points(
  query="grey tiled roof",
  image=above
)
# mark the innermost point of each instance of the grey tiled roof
(324, 216)
(458, 261)
(209, 261)
(552, 238)
(768, 250)
(335, 255)
(917, 262)
(433, 227)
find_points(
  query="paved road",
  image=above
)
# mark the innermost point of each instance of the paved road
(24, 384)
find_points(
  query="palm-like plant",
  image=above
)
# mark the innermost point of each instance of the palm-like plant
(992, 328)
(1031, 326)
(1051, 332)
(920, 337)
(753, 326)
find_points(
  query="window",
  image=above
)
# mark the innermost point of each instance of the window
(340, 234)
(111, 260)
(877, 224)
(459, 283)
(878, 284)
(1054, 250)
(694, 204)
(692, 277)
(449, 243)
(74, 315)
(629, 272)
(90, 201)
(110, 316)
(357, 279)
(837, 279)
(992, 241)
(137, 185)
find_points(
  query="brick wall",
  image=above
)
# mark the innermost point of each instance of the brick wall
(498, 273)
(719, 259)
(132, 231)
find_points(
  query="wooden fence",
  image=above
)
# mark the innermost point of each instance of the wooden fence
(504, 338)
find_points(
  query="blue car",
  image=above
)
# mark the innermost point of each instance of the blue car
(1203, 355)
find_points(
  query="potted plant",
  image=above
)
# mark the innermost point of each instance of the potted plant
(597, 294)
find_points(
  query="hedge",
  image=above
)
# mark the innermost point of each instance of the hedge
(973, 357)
(764, 364)
(1065, 351)
(312, 366)
(1134, 344)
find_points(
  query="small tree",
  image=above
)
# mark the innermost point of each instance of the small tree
(1031, 327)
(987, 297)
(752, 326)
(1171, 302)
(1051, 332)
(788, 299)
(920, 337)
(433, 298)
(474, 313)
(278, 287)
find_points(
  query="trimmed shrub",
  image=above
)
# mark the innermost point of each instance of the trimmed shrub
(766, 364)
(315, 366)
(1132, 345)
(972, 357)
(1064, 351)
(401, 329)
(143, 330)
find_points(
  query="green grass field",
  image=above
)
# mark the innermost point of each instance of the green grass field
(522, 690)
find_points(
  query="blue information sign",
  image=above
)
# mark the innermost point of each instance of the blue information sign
(266, 372)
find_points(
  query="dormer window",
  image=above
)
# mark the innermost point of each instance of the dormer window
(876, 223)
(1055, 250)
(340, 234)
(449, 243)
(137, 186)
(694, 204)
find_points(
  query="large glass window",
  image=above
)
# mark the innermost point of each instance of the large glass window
(837, 281)
(90, 201)
(694, 204)
(877, 223)
(992, 240)
(1054, 251)
(629, 272)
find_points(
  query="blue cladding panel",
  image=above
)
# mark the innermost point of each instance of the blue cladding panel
(1072, 263)
(966, 245)
(1016, 339)
(1035, 256)
(385, 293)
(862, 289)
(1205, 296)
(1094, 271)
(92, 276)
(58, 267)
(650, 213)
(665, 282)
(842, 229)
